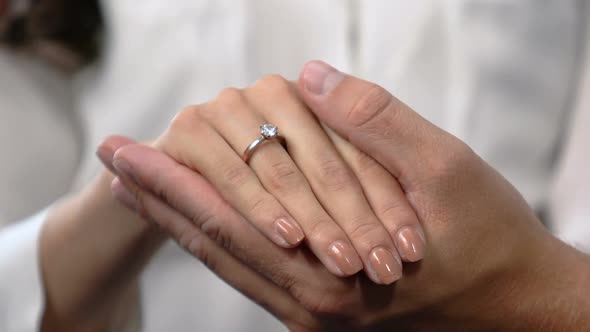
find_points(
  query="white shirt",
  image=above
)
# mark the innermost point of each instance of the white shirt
(500, 74)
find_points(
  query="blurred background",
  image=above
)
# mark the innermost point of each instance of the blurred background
(506, 76)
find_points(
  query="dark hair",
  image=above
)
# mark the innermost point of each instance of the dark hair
(72, 25)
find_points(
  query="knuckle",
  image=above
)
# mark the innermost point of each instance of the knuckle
(368, 107)
(196, 246)
(208, 111)
(283, 177)
(185, 119)
(190, 240)
(313, 297)
(363, 230)
(184, 236)
(229, 98)
(335, 175)
(319, 298)
(391, 209)
(261, 205)
(275, 84)
(211, 227)
(236, 176)
(327, 305)
(319, 229)
(396, 214)
(454, 161)
(365, 163)
(197, 240)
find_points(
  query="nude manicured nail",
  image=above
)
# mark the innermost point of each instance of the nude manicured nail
(384, 266)
(410, 244)
(289, 231)
(344, 258)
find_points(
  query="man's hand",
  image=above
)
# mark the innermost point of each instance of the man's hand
(490, 264)
(488, 247)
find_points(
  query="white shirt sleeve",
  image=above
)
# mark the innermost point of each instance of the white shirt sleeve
(570, 199)
(21, 285)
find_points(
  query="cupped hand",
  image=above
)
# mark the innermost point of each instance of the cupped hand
(489, 265)
(292, 284)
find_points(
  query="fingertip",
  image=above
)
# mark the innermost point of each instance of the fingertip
(411, 243)
(105, 155)
(384, 267)
(108, 147)
(342, 260)
(318, 78)
(288, 233)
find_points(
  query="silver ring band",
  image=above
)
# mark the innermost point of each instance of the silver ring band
(268, 132)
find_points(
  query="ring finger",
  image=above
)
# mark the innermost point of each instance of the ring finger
(237, 122)
(194, 143)
(331, 179)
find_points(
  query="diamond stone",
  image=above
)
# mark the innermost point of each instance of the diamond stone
(268, 130)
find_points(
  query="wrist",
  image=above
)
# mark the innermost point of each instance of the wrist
(551, 296)
(94, 212)
(97, 207)
(542, 293)
(91, 250)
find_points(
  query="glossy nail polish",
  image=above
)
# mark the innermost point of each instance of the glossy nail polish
(344, 258)
(410, 244)
(384, 266)
(289, 231)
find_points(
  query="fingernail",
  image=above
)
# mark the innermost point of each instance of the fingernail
(384, 266)
(410, 244)
(124, 169)
(344, 258)
(289, 231)
(123, 195)
(105, 156)
(320, 78)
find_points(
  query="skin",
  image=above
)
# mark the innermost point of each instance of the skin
(489, 265)
(334, 206)
(92, 250)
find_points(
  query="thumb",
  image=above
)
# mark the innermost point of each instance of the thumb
(372, 119)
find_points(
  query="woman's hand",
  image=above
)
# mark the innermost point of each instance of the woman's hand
(490, 265)
(92, 250)
(321, 189)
